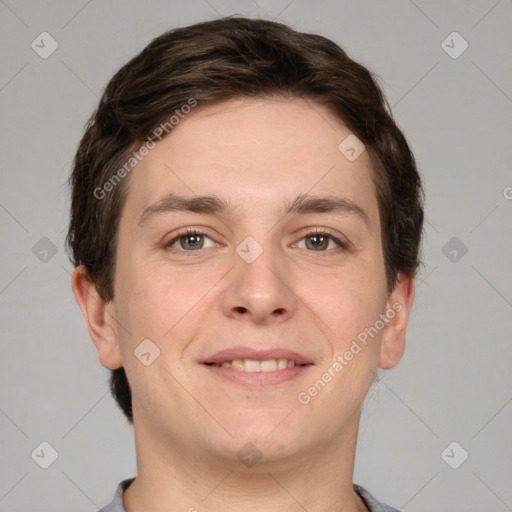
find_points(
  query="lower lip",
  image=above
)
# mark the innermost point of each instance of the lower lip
(258, 379)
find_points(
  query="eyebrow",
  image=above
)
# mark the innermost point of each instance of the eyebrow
(195, 204)
(211, 204)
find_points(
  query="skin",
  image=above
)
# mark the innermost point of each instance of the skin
(258, 154)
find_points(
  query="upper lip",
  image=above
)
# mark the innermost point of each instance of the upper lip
(233, 353)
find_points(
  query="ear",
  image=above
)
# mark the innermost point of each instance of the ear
(100, 318)
(398, 309)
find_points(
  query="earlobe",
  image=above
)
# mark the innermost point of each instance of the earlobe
(99, 317)
(399, 306)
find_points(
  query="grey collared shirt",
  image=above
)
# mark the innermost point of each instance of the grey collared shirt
(116, 505)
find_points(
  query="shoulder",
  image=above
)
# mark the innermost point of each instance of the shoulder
(116, 505)
(373, 504)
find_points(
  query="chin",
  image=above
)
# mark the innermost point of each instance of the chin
(270, 436)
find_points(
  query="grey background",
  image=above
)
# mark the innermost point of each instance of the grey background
(454, 382)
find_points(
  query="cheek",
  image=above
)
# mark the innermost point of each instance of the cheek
(351, 308)
(350, 305)
(350, 300)
(153, 302)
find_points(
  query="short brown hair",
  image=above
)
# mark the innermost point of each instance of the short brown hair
(220, 60)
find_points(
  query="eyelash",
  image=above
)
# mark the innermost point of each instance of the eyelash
(342, 246)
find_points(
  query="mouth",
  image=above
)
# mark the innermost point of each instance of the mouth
(257, 367)
(253, 365)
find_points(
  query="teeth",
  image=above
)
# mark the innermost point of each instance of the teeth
(268, 366)
(237, 364)
(251, 365)
(281, 364)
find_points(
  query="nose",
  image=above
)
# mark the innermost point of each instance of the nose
(260, 291)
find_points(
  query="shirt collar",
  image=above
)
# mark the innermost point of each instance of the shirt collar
(116, 505)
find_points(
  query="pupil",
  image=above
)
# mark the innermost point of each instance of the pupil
(192, 241)
(317, 241)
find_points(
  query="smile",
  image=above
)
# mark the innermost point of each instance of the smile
(256, 367)
(253, 365)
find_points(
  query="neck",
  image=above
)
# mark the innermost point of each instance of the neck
(171, 478)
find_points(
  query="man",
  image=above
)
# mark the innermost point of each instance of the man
(245, 226)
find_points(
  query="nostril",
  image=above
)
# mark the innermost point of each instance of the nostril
(240, 309)
(279, 311)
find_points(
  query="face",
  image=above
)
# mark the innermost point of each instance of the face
(249, 254)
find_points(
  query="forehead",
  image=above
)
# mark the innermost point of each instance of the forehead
(253, 151)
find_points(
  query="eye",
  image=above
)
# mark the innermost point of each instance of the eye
(320, 241)
(190, 240)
